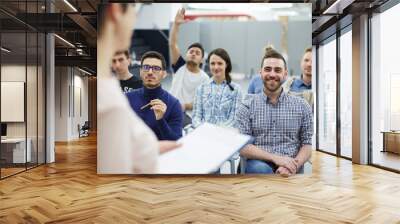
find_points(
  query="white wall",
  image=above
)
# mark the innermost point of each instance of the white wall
(12, 101)
(80, 110)
(253, 36)
(61, 103)
(15, 73)
(33, 126)
(71, 93)
(162, 14)
(155, 16)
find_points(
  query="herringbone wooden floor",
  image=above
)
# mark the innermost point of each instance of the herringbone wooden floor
(70, 191)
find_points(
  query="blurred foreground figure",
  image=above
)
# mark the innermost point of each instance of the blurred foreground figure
(125, 144)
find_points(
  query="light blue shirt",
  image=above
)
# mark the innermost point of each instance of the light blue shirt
(216, 103)
(256, 85)
(298, 85)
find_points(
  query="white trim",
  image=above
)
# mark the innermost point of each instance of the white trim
(70, 5)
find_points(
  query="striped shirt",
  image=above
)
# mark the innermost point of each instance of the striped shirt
(281, 128)
(216, 103)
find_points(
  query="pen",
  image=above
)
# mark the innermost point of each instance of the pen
(145, 106)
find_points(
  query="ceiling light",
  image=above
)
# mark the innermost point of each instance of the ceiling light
(241, 6)
(287, 13)
(70, 5)
(84, 71)
(5, 50)
(276, 5)
(214, 6)
(64, 40)
(338, 6)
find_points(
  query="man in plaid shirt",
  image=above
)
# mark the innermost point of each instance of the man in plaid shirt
(281, 124)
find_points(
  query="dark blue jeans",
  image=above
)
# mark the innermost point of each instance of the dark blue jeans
(258, 166)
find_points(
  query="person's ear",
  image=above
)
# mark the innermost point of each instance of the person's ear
(164, 74)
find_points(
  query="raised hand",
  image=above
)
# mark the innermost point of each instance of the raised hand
(180, 17)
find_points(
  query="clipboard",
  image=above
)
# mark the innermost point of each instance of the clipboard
(203, 150)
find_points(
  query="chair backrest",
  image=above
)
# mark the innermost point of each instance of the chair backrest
(86, 125)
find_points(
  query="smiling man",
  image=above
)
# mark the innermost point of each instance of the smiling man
(160, 110)
(281, 124)
(296, 86)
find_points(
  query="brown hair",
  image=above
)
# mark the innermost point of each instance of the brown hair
(272, 53)
(308, 49)
(102, 13)
(220, 52)
(125, 52)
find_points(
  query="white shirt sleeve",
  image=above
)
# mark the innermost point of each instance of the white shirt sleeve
(125, 145)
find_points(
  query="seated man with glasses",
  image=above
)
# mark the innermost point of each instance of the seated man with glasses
(161, 111)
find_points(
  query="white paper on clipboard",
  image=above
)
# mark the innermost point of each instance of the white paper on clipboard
(203, 150)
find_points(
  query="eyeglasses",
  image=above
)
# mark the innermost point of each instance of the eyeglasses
(155, 68)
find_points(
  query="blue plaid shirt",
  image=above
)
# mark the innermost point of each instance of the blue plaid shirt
(216, 103)
(279, 129)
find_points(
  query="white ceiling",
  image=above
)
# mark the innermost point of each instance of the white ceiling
(259, 11)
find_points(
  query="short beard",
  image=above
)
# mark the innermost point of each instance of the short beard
(192, 64)
(275, 89)
(272, 90)
(308, 75)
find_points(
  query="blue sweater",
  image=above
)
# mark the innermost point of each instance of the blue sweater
(167, 128)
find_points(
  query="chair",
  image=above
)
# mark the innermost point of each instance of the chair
(84, 130)
(232, 163)
(242, 165)
(187, 129)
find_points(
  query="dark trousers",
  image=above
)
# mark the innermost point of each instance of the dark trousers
(186, 119)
